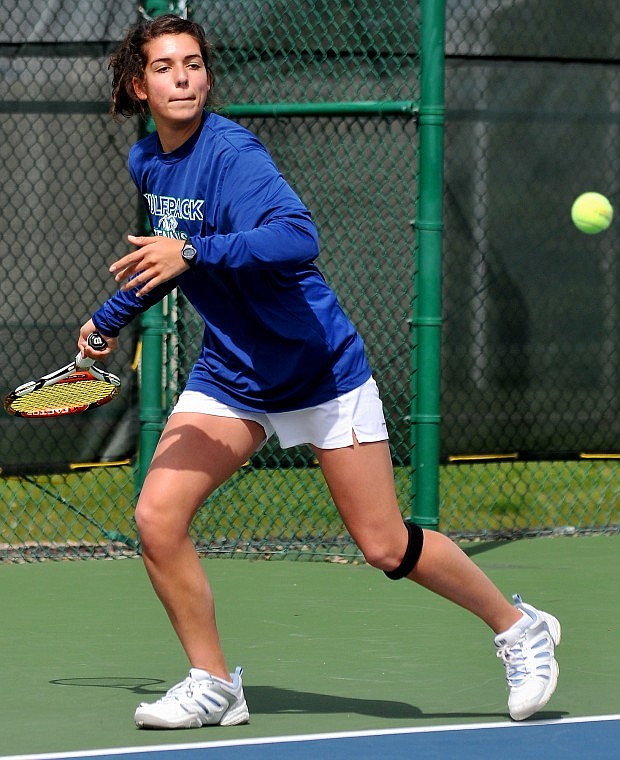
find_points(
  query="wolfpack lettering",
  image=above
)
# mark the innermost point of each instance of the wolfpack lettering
(188, 209)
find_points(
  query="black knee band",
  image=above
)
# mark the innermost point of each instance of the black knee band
(412, 553)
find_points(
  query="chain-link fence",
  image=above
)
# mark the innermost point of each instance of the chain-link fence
(65, 204)
(532, 306)
(530, 368)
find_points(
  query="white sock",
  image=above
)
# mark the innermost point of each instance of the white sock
(513, 633)
(200, 675)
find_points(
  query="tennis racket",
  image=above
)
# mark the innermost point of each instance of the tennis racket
(71, 389)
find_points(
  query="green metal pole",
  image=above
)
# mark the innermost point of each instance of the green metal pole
(153, 328)
(426, 349)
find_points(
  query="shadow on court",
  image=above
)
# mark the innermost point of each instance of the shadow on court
(481, 547)
(139, 686)
(272, 700)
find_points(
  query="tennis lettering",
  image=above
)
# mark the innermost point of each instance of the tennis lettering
(188, 209)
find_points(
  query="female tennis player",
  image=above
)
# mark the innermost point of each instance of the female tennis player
(278, 357)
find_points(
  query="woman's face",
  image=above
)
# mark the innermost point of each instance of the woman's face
(176, 82)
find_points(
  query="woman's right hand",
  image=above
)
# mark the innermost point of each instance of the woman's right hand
(86, 350)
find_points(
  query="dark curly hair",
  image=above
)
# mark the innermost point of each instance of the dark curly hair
(129, 61)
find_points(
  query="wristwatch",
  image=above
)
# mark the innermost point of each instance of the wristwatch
(189, 254)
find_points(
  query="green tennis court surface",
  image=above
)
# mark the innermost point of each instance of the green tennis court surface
(326, 648)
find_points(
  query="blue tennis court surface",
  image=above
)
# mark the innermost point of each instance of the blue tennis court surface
(592, 738)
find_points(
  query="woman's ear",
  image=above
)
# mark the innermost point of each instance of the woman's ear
(139, 88)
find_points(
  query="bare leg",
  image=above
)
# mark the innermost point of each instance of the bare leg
(195, 455)
(361, 481)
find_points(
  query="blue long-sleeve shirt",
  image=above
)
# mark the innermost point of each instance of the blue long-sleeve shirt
(275, 337)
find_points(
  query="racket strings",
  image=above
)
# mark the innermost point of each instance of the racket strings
(65, 397)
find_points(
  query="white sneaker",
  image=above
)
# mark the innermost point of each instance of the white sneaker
(200, 700)
(527, 651)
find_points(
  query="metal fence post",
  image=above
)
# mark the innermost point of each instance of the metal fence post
(426, 348)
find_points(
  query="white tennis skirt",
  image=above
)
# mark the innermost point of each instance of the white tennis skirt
(330, 425)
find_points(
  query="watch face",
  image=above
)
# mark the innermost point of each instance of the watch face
(189, 253)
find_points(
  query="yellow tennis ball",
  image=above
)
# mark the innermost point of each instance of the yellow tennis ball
(591, 213)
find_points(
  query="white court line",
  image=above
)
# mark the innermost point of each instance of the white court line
(305, 738)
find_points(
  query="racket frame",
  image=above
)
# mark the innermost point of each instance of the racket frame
(80, 368)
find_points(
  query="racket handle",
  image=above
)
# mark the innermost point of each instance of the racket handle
(95, 341)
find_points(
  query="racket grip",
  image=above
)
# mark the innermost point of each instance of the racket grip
(95, 341)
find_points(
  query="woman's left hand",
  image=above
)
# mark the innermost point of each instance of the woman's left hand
(156, 260)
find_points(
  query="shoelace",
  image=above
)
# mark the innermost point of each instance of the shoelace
(181, 690)
(183, 693)
(515, 662)
(526, 658)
